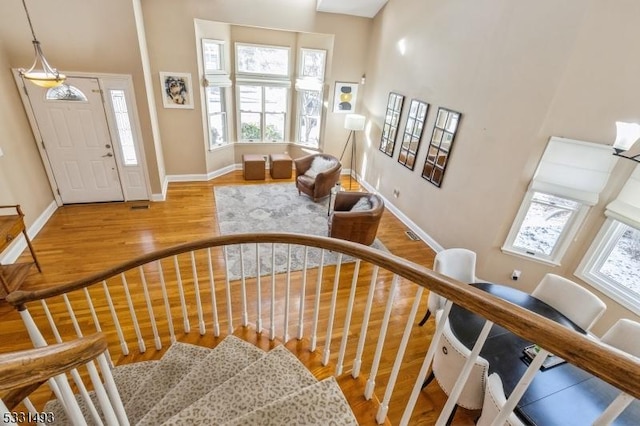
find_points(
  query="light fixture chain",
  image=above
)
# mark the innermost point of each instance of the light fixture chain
(29, 20)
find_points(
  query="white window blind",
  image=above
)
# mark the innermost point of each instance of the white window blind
(574, 169)
(626, 207)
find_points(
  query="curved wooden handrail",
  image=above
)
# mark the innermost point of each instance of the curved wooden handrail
(592, 356)
(20, 370)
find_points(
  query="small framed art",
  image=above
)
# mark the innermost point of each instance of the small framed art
(345, 97)
(177, 91)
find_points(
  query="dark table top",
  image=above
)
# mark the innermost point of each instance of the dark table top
(561, 395)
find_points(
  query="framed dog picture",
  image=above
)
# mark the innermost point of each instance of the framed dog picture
(177, 91)
(344, 97)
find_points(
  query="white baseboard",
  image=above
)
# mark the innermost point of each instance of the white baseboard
(163, 195)
(403, 218)
(20, 244)
(187, 178)
(223, 171)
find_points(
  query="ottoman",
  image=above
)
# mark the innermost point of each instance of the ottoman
(281, 166)
(253, 167)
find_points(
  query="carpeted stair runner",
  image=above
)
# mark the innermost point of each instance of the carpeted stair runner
(222, 363)
(235, 383)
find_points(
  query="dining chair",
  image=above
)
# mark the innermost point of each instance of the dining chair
(448, 361)
(572, 300)
(456, 263)
(494, 400)
(624, 335)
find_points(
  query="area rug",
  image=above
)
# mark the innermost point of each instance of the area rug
(273, 207)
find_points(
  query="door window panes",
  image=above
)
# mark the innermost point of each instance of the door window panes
(125, 135)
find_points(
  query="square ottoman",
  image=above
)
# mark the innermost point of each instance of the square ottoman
(253, 167)
(281, 165)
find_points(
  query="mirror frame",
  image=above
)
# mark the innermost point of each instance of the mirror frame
(395, 102)
(412, 135)
(440, 145)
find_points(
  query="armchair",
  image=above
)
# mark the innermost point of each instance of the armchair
(354, 223)
(316, 174)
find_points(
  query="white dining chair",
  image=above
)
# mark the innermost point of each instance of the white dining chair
(448, 361)
(494, 400)
(456, 263)
(572, 300)
(624, 335)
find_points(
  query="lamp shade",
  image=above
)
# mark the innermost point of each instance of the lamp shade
(354, 122)
(627, 134)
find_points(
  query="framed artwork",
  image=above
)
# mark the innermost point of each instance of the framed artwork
(413, 129)
(345, 97)
(444, 131)
(391, 122)
(177, 91)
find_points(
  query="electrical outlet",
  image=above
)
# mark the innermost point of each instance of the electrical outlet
(396, 193)
(516, 274)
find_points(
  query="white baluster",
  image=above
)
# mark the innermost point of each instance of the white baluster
(196, 287)
(152, 316)
(132, 312)
(112, 391)
(183, 303)
(272, 312)
(383, 409)
(287, 295)
(214, 303)
(303, 289)
(316, 309)
(258, 291)
(69, 401)
(428, 358)
(357, 362)
(347, 319)
(614, 409)
(167, 305)
(52, 323)
(368, 392)
(86, 397)
(332, 313)
(96, 322)
(101, 394)
(228, 293)
(116, 321)
(243, 288)
(72, 315)
(30, 407)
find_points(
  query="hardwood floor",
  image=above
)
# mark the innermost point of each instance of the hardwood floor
(83, 239)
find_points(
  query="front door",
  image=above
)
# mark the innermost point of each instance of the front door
(75, 135)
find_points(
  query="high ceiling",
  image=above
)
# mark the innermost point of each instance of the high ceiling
(364, 8)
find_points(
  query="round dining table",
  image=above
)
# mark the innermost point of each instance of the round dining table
(562, 394)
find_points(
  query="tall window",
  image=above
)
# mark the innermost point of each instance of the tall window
(569, 178)
(612, 263)
(262, 90)
(217, 79)
(309, 87)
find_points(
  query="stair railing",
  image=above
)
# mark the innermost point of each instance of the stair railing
(214, 284)
(23, 372)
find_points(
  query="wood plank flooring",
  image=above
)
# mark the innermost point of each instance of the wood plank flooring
(82, 239)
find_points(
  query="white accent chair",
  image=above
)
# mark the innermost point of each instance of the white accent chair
(572, 300)
(448, 361)
(456, 263)
(494, 400)
(624, 335)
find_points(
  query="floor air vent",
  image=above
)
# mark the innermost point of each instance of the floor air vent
(140, 207)
(412, 235)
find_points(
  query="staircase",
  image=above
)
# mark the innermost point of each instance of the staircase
(235, 383)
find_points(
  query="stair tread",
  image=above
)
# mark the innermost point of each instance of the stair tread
(319, 404)
(223, 362)
(129, 376)
(277, 374)
(179, 359)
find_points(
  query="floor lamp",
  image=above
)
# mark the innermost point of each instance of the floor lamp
(354, 123)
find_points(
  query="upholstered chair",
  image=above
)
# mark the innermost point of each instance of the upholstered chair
(356, 216)
(316, 174)
(456, 263)
(571, 299)
(449, 359)
(494, 400)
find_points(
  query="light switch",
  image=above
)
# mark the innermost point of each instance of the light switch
(1, 153)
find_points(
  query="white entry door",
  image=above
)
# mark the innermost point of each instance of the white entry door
(77, 142)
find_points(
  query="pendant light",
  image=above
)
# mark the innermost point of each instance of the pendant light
(45, 75)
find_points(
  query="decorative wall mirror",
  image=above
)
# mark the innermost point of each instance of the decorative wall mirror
(440, 144)
(391, 122)
(413, 133)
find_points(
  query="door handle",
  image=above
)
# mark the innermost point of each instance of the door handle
(108, 155)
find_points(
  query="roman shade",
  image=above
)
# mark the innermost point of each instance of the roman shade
(626, 207)
(574, 169)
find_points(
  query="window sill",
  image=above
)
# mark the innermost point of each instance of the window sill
(528, 257)
(220, 147)
(611, 291)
